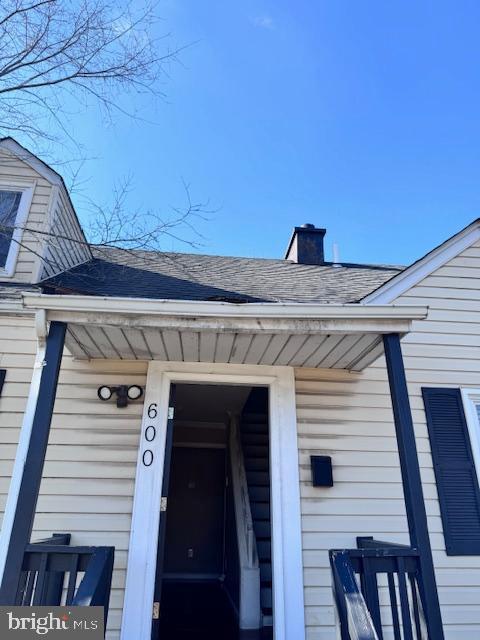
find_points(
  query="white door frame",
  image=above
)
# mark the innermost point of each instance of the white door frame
(288, 604)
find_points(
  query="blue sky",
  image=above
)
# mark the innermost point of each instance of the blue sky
(361, 117)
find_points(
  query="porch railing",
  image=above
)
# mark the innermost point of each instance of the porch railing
(54, 573)
(387, 595)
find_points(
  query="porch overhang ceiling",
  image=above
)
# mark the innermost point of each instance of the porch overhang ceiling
(301, 335)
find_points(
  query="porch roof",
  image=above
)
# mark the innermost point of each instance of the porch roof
(347, 336)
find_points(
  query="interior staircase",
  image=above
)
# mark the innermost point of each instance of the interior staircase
(255, 444)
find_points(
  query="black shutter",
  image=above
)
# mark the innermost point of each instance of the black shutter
(455, 472)
(3, 373)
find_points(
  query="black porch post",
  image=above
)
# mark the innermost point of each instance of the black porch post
(412, 483)
(33, 467)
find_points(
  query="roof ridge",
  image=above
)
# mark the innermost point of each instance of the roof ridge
(170, 254)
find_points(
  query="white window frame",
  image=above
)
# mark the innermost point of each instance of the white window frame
(288, 600)
(26, 189)
(470, 398)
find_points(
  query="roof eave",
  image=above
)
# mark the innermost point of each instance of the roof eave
(256, 317)
(420, 269)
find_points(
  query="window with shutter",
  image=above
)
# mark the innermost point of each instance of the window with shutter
(455, 471)
(3, 373)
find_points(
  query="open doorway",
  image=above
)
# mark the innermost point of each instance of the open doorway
(214, 567)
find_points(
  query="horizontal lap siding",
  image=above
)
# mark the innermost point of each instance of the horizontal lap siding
(17, 354)
(66, 243)
(56, 244)
(12, 168)
(349, 417)
(88, 479)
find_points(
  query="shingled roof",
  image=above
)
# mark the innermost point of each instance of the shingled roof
(182, 276)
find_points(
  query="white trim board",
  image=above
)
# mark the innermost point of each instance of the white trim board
(422, 268)
(471, 398)
(288, 602)
(16, 149)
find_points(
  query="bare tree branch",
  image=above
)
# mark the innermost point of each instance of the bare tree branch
(96, 48)
(53, 50)
(118, 228)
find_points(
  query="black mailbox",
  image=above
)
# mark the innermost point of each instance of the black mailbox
(321, 471)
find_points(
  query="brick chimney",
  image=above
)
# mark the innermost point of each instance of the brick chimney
(306, 245)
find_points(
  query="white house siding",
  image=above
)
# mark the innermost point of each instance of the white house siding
(349, 417)
(87, 486)
(58, 242)
(66, 246)
(13, 169)
(17, 354)
(88, 479)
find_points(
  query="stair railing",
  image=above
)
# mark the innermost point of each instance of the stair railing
(245, 531)
(368, 613)
(353, 615)
(53, 573)
(250, 611)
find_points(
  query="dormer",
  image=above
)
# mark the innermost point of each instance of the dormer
(40, 234)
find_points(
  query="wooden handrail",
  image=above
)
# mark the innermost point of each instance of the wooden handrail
(369, 542)
(56, 538)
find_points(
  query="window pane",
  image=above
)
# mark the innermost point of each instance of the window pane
(9, 202)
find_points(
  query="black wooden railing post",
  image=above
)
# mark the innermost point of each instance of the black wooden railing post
(94, 590)
(412, 483)
(33, 467)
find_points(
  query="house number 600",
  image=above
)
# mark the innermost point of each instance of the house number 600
(150, 434)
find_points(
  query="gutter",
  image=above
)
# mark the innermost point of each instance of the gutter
(198, 316)
(147, 306)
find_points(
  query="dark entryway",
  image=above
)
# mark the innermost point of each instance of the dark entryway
(201, 611)
(199, 574)
(195, 525)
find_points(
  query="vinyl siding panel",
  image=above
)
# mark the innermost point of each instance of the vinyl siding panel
(66, 245)
(89, 473)
(56, 241)
(17, 354)
(349, 417)
(14, 169)
(88, 479)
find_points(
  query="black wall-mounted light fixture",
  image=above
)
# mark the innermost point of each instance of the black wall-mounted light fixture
(124, 393)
